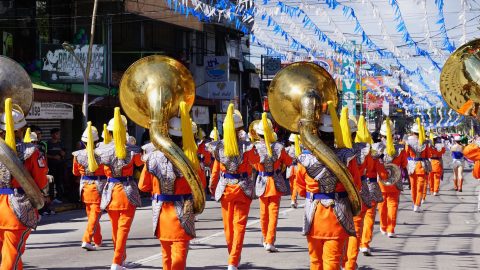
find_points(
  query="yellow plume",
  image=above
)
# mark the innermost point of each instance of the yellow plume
(215, 133)
(363, 135)
(92, 162)
(421, 138)
(9, 129)
(106, 135)
(27, 138)
(119, 135)
(346, 133)
(432, 137)
(298, 150)
(267, 134)
(188, 141)
(390, 147)
(229, 134)
(337, 131)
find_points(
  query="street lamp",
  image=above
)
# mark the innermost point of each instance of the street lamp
(69, 48)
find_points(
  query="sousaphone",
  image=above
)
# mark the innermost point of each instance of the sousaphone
(16, 84)
(460, 79)
(150, 93)
(296, 95)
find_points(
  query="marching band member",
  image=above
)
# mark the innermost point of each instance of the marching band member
(270, 184)
(418, 165)
(170, 191)
(294, 150)
(92, 181)
(232, 184)
(374, 169)
(436, 161)
(361, 148)
(457, 163)
(17, 216)
(394, 154)
(328, 216)
(120, 196)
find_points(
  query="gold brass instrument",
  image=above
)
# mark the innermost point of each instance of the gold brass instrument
(150, 92)
(394, 174)
(296, 95)
(251, 130)
(16, 84)
(460, 79)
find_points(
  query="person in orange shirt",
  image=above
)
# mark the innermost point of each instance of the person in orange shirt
(232, 184)
(436, 154)
(170, 191)
(392, 154)
(17, 215)
(472, 152)
(294, 150)
(120, 196)
(328, 214)
(418, 165)
(92, 181)
(270, 184)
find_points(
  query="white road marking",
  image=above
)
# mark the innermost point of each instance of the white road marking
(210, 237)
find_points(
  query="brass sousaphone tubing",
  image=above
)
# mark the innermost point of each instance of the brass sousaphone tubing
(150, 93)
(16, 84)
(296, 95)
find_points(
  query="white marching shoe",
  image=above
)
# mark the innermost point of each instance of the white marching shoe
(383, 232)
(392, 235)
(366, 251)
(117, 267)
(88, 246)
(417, 209)
(232, 267)
(271, 248)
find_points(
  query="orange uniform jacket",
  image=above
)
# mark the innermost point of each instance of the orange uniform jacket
(425, 154)
(36, 166)
(436, 159)
(89, 193)
(472, 152)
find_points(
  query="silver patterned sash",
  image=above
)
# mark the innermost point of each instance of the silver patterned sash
(412, 161)
(268, 164)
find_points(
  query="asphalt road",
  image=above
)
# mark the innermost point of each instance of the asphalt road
(444, 236)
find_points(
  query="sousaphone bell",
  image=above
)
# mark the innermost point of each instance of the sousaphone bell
(460, 79)
(150, 93)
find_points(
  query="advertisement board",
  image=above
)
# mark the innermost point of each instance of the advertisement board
(200, 115)
(50, 110)
(217, 68)
(60, 66)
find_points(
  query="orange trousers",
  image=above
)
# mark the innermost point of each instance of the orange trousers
(388, 211)
(350, 253)
(368, 223)
(13, 246)
(121, 222)
(93, 231)
(293, 189)
(269, 217)
(434, 181)
(235, 208)
(417, 184)
(325, 254)
(174, 254)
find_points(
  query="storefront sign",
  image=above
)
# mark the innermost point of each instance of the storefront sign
(349, 95)
(217, 90)
(50, 110)
(200, 115)
(59, 66)
(271, 65)
(217, 68)
(226, 103)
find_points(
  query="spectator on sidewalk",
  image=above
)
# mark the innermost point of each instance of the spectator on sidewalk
(56, 164)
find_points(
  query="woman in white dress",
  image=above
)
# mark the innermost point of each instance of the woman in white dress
(457, 163)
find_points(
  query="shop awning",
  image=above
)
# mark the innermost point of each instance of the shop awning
(95, 90)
